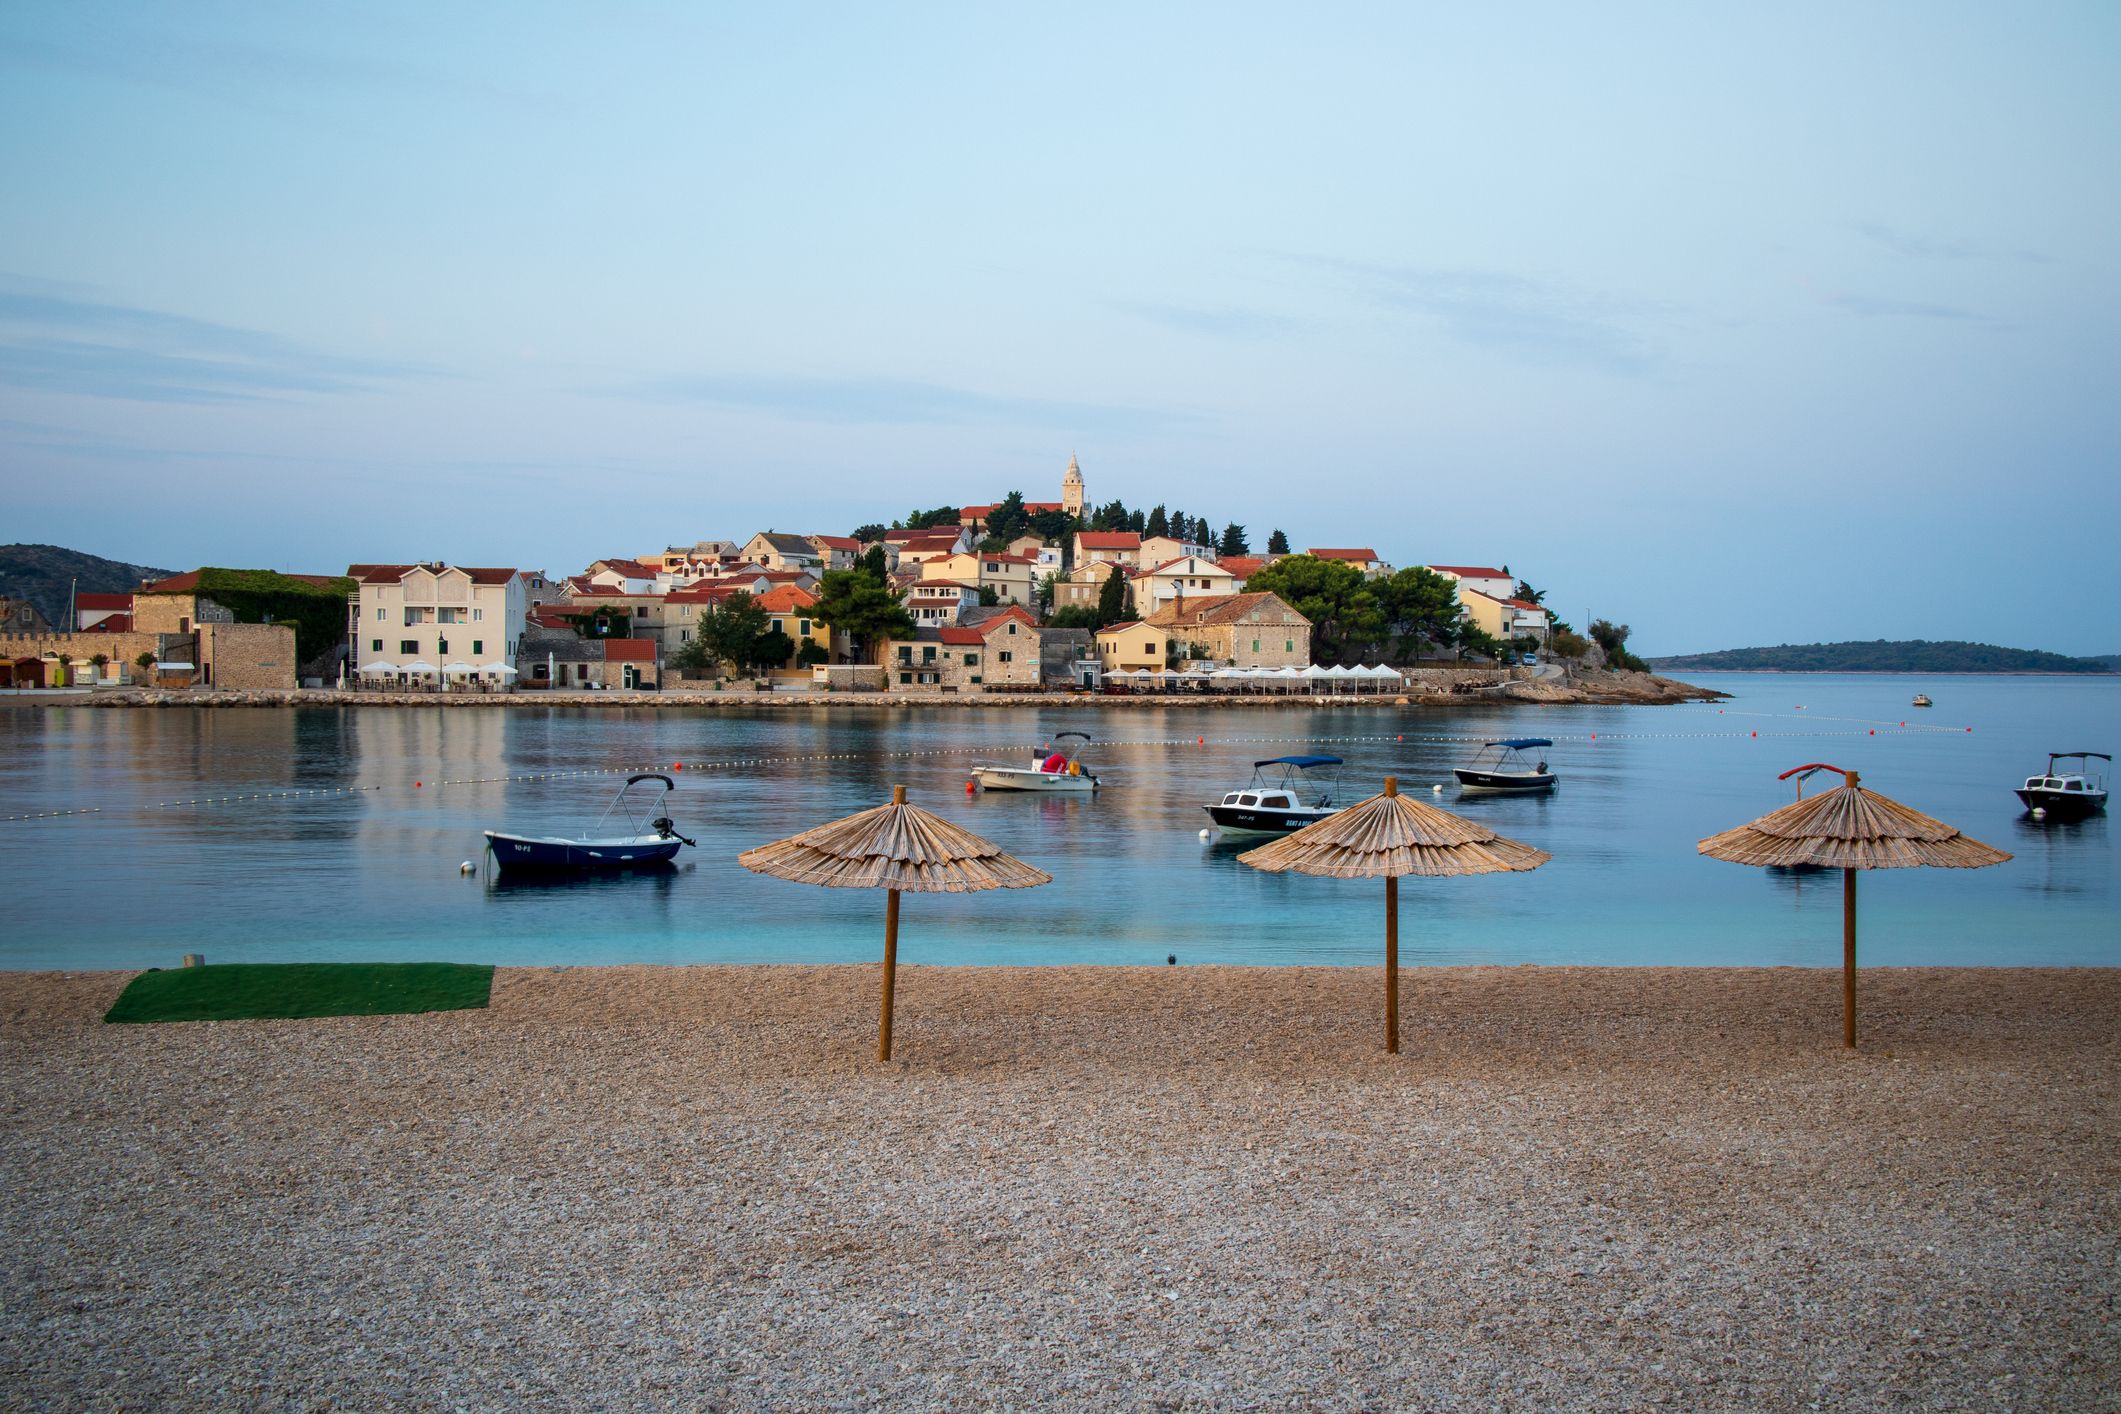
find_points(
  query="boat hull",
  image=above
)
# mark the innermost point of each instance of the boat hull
(1506, 782)
(2064, 805)
(1263, 820)
(1011, 778)
(529, 854)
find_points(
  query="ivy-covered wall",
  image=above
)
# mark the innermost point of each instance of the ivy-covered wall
(316, 612)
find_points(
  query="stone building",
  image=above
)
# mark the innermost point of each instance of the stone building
(21, 616)
(998, 647)
(1256, 630)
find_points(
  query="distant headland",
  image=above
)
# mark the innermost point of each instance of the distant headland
(1914, 655)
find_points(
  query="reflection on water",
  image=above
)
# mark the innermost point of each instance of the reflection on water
(335, 833)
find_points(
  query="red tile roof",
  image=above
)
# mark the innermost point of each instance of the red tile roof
(629, 650)
(371, 574)
(1523, 604)
(632, 569)
(962, 635)
(85, 599)
(786, 598)
(1243, 566)
(1364, 554)
(1469, 571)
(1108, 540)
(1030, 507)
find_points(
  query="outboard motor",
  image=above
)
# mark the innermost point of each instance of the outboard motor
(667, 829)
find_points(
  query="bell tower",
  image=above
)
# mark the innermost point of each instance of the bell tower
(1072, 488)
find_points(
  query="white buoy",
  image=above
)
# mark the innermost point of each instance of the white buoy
(1207, 834)
(467, 867)
(1435, 790)
(2039, 812)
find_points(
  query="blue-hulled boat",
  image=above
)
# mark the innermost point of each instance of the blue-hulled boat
(651, 841)
(1501, 768)
(1274, 804)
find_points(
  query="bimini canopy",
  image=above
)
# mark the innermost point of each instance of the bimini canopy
(1523, 743)
(1304, 763)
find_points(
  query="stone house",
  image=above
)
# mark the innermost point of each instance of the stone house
(1002, 647)
(781, 552)
(21, 616)
(1085, 584)
(1255, 630)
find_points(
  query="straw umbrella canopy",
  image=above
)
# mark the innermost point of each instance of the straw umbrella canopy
(1388, 836)
(900, 848)
(1848, 828)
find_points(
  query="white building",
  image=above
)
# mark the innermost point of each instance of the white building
(437, 614)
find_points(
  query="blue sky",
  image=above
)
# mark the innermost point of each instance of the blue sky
(1790, 324)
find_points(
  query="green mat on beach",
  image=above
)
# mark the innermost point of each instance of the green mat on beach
(233, 991)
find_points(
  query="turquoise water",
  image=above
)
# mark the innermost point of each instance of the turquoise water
(363, 864)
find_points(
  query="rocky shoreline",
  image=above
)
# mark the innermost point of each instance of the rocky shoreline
(1078, 1189)
(1426, 688)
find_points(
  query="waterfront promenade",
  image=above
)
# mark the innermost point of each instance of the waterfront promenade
(1093, 1189)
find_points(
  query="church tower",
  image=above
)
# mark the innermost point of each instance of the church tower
(1072, 488)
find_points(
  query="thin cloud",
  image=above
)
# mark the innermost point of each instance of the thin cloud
(1869, 307)
(893, 402)
(1229, 322)
(1917, 247)
(1531, 320)
(52, 343)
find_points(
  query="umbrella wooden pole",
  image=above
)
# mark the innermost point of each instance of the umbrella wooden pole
(883, 1028)
(883, 1025)
(1848, 957)
(1391, 947)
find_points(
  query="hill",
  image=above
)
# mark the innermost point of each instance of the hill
(43, 574)
(1915, 655)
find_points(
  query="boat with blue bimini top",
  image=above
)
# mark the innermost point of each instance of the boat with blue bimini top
(2066, 794)
(1502, 768)
(1273, 803)
(652, 840)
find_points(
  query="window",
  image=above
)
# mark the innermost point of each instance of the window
(805, 623)
(1006, 656)
(1288, 645)
(928, 654)
(975, 677)
(1255, 645)
(905, 654)
(379, 613)
(441, 645)
(905, 677)
(972, 661)
(640, 611)
(1012, 626)
(684, 635)
(408, 645)
(478, 646)
(375, 645)
(779, 626)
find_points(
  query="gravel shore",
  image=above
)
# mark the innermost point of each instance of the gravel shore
(1078, 1189)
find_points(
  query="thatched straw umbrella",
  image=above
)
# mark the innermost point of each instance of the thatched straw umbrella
(1848, 828)
(898, 847)
(1387, 836)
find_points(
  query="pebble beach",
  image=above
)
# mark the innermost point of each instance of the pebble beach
(1075, 1189)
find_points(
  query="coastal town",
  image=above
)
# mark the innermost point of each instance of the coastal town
(1009, 597)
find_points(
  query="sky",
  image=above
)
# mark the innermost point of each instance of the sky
(1741, 326)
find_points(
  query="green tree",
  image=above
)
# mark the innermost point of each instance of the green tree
(1048, 587)
(861, 606)
(694, 659)
(145, 662)
(1114, 598)
(1613, 638)
(1158, 523)
(1181, 526)
(876, 564)
(869, 534)
(1009, 519)
(1566, 644)
(1419, 606)
(1527, 593)
(771, 649)
(941, 516)
(989, 596)
(1054, 527)
(1075, 616)
(811, 654)
(1278, 543)
(1113, 515)
(1233, 541)
(1346, 620)
(1480, 643)
(731, 630)
(102, 661)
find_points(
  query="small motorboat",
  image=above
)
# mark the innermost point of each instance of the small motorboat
(653, 839)
(2067, 794)
(1922, 699)
(1273, 803)
(1056, 768)
(1508, 768)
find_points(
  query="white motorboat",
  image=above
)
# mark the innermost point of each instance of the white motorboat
(1274, 804)
(2063, 794)
(1056, 768)
(1500, 768)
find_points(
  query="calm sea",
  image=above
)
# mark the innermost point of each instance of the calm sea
(328, 850)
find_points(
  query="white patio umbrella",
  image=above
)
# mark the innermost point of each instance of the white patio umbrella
(379, 668)
(416, 668)
(458, 670)
(499, 670)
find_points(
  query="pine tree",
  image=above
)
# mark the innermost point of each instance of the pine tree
(1159, 523)
(1233, 541)
(1278, 543)
(1112, 598)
